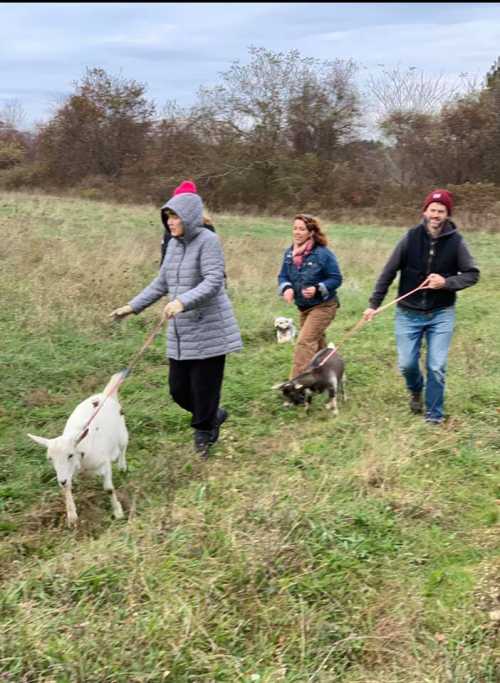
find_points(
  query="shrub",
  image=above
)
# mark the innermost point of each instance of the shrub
(21, 175)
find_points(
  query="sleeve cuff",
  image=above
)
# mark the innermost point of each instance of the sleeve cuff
(323, 290)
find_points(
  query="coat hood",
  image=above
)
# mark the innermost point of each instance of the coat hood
(189, 207)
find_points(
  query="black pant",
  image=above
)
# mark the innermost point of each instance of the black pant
(195, 385)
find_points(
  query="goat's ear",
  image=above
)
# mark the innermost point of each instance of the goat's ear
(278, 386)
(40, 440)
(81, 437)
(298, 385)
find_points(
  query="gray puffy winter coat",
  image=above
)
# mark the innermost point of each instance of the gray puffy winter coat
(193, 272)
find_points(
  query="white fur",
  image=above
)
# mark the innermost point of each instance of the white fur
(332, 404)
(105, 442)
(285, 329)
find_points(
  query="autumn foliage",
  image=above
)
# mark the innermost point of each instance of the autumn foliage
(281, 130)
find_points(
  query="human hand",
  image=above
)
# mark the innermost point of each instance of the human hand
(368, 314)
(121, 312)
(173, 308)
(435, 281)
(288, 295)
(309, 292)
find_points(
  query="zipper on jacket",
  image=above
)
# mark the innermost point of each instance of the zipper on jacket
(175, 296)
(432, 253)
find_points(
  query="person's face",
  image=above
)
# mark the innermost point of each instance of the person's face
(300, 232)
(175, 225)
(436, 214)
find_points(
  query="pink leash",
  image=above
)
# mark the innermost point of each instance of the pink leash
(123, 374)
(126, 371)
(363, 322)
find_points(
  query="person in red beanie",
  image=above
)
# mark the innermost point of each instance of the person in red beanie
(202, 327)
(186, 186)
(433, 252)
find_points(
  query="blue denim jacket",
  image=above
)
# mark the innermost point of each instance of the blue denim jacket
(319, 269)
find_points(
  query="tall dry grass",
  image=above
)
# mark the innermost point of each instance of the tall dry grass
(360, 549)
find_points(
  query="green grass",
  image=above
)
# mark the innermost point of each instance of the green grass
(361, 549)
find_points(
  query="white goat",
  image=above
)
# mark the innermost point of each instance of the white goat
(103, 442)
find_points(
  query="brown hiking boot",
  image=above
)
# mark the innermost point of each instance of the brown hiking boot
(416, 403)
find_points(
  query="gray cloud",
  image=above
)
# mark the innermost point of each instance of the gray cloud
(165, 55)
(175, 48)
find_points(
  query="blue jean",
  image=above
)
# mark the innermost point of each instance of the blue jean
(437, 327)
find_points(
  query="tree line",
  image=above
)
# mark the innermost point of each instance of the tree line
(280, 130)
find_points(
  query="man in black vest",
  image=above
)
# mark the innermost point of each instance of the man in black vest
(434, 252)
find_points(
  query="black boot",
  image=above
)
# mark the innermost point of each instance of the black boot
(202, 441)
(222, 416)
(416, 403)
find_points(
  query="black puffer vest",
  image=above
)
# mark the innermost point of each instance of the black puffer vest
(424, 255)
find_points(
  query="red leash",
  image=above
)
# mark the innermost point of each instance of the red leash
(363, 322)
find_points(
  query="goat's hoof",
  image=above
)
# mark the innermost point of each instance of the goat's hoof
(72, 520)
(118, 513)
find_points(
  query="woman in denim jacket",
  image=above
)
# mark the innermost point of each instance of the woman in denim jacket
(310, 276)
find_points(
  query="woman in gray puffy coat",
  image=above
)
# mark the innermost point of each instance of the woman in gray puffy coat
(202, 327)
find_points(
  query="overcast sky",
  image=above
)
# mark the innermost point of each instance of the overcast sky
(175, 48)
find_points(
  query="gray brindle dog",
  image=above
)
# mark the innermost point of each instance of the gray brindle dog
(326, 372)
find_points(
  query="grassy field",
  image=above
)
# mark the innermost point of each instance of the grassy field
(360, 549)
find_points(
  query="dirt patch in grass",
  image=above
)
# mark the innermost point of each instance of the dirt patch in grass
(41, 397)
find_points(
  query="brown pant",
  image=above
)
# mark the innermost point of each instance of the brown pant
(311, 339)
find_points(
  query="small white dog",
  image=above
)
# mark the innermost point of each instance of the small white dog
(285, 329)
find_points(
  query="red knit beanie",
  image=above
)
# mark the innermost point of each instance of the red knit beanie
(186, 186)
(441, 197)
